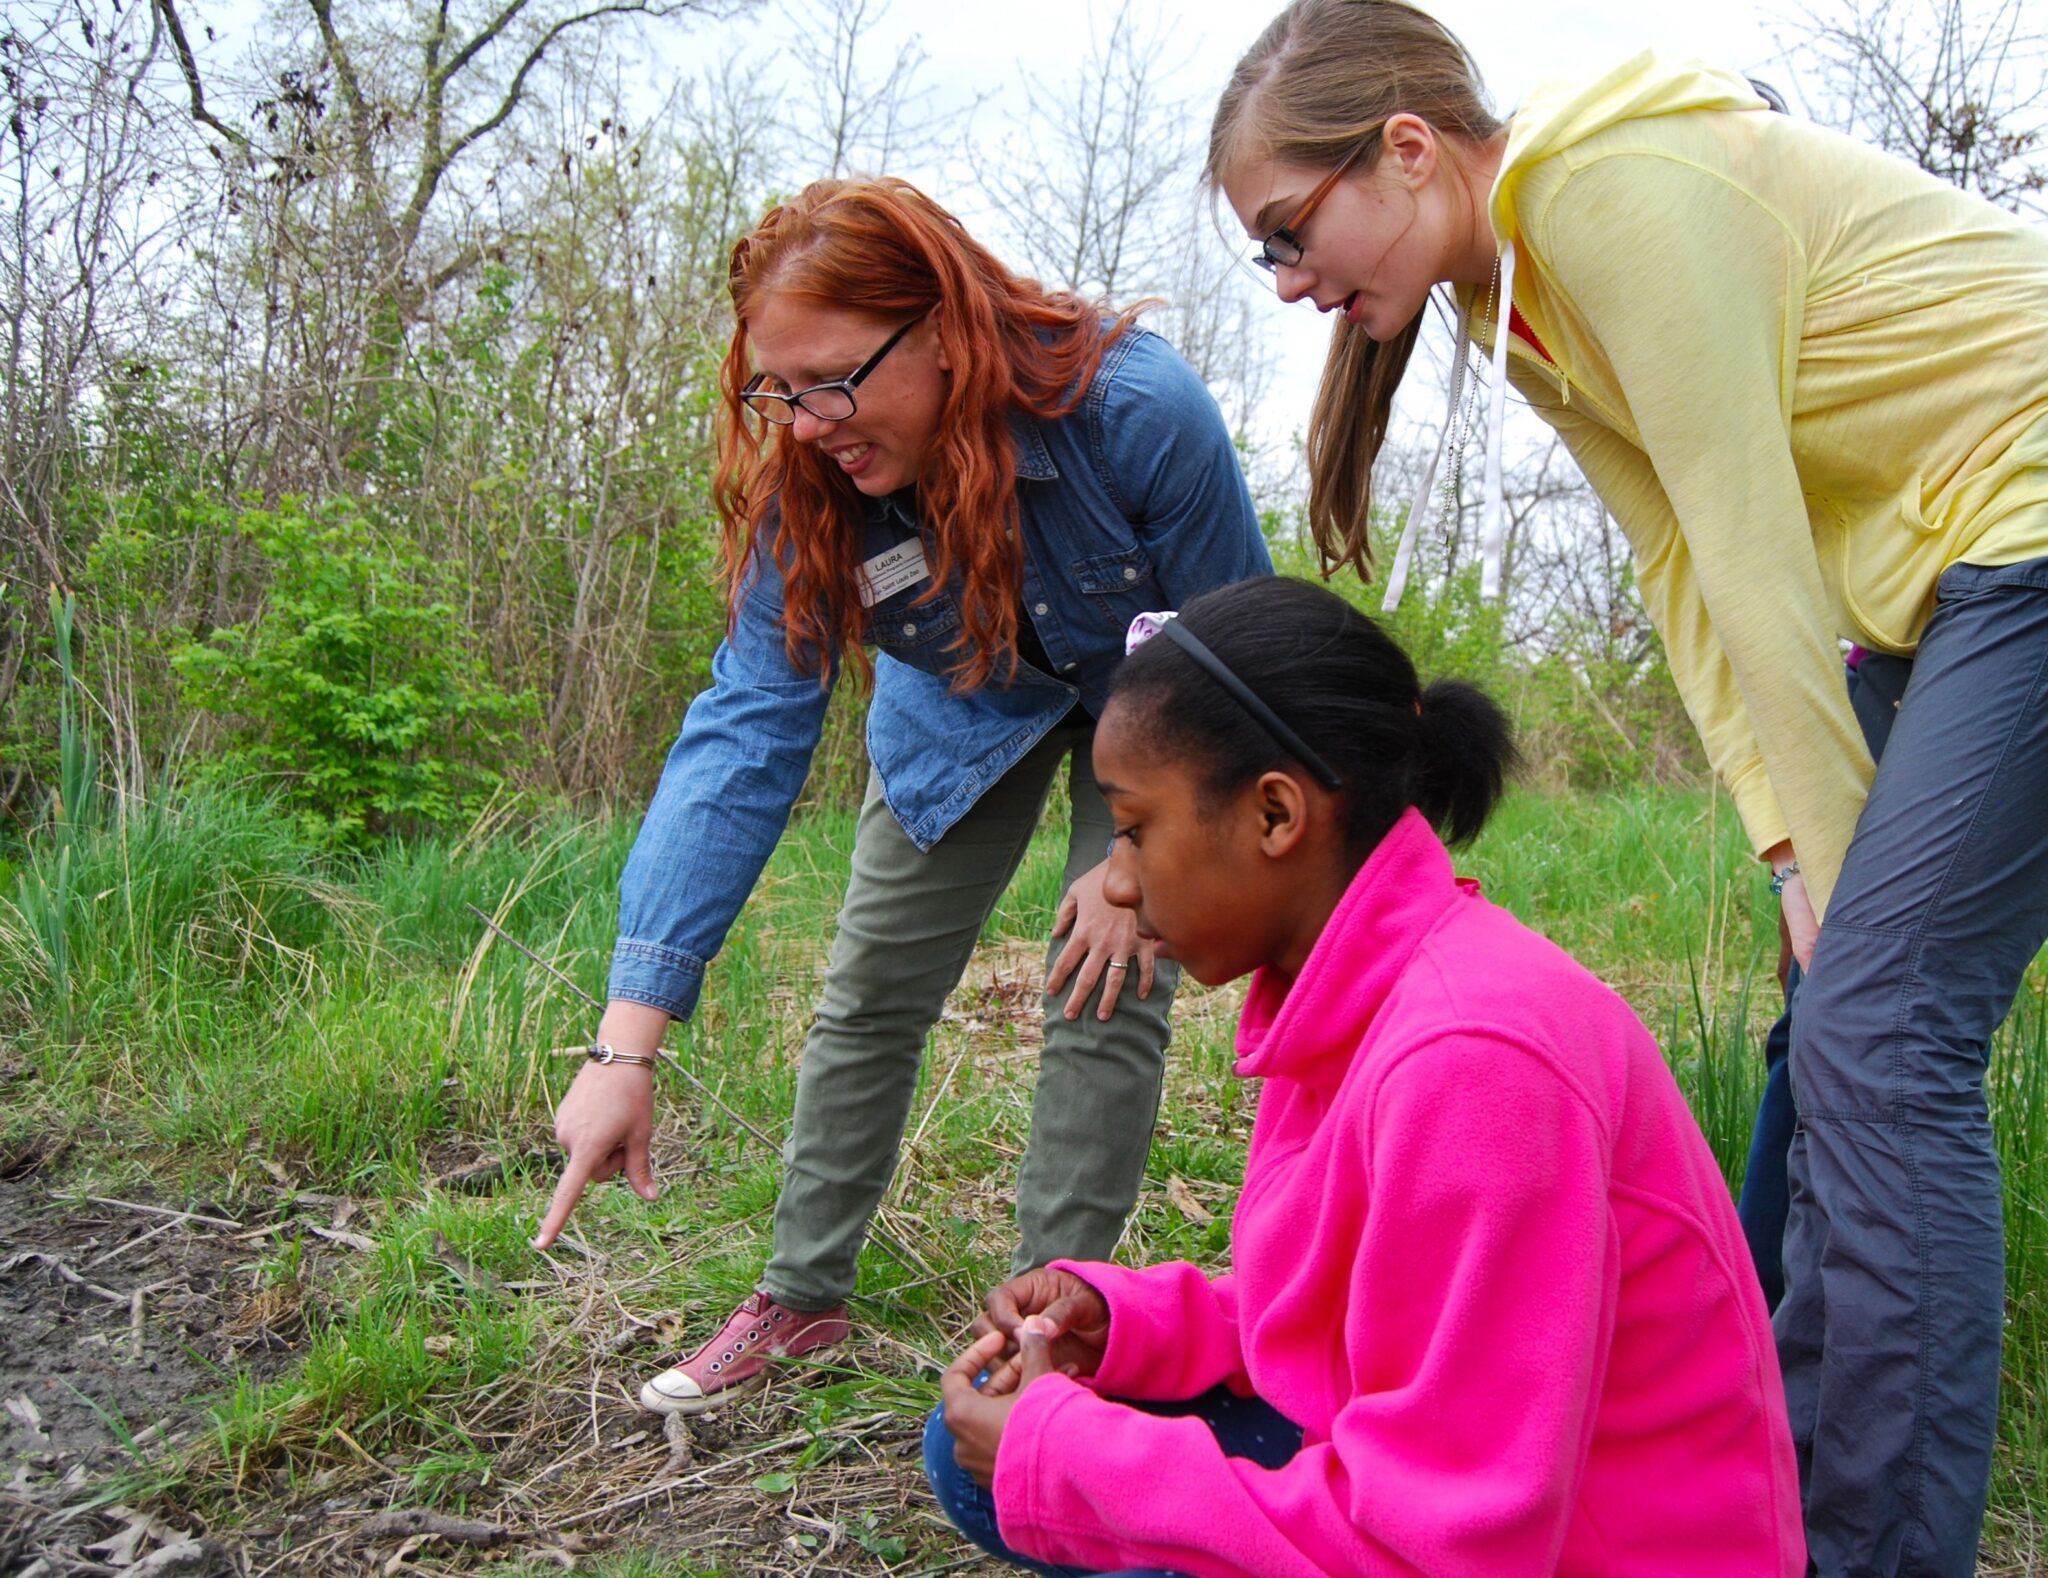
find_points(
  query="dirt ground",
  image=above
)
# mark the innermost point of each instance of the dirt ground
(115, 1323)
(121, 1322)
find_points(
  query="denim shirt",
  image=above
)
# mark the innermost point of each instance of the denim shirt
(1134, 500)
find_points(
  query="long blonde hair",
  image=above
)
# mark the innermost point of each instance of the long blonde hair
(1321, 80)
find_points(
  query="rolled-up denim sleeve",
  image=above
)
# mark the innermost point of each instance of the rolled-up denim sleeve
(1174, 470)
(723, 801)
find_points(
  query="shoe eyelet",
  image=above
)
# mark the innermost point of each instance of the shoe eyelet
(781, 1316)
(716, 1366)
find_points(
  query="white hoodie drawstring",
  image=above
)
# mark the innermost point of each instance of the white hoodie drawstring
(1492, 527)
(1493, 520)
(1404, 553)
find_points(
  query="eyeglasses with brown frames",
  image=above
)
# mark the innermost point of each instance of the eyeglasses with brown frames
(1283, 247)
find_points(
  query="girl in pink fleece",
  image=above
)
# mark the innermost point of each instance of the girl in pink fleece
(1489, 1311)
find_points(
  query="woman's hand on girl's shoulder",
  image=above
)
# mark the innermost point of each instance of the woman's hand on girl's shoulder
(1102, 945)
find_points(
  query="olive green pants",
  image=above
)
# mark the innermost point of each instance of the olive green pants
(906, 930)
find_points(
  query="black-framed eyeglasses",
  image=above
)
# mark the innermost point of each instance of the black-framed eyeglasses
(828, 402)
(1282, 248)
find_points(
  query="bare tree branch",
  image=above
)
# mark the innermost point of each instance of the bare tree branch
(1107, 211)
(166, 13)
(1961, 90)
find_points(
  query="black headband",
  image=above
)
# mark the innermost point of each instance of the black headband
(1242, 693)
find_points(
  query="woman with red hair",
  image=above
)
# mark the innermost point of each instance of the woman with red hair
(921, 452)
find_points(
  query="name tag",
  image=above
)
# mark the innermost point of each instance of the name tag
(889, 573)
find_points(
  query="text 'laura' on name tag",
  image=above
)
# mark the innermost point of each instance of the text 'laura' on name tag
(888, 573)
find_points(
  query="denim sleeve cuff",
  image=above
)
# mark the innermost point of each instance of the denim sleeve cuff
(646, 972)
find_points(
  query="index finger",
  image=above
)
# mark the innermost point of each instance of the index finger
(972, 1361)
(575, 1179)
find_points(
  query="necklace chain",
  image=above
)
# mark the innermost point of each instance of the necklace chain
(1463, 416)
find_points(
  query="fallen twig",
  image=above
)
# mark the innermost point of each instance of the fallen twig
(477, 1175)
(125, 1245)
(408, 1523)
(65, 1272)
(135, 1311)
(154, 1210)
(682, 1446)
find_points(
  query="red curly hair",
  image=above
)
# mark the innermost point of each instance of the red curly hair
(883, 248)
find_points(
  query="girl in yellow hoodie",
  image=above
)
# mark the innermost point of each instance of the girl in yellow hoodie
(1811, 383)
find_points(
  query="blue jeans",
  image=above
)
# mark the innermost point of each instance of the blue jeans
(1766, 1194)
(1876, 687)
(1243, 1426)
(1890, 1327)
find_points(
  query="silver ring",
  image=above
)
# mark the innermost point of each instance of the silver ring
(1116, 964)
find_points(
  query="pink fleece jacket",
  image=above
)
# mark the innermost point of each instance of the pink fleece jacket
(1482, 1256)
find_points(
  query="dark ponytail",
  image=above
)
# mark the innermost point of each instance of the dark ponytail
(1344, 686)
(1468, 753)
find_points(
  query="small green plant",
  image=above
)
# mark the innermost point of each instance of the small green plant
(354, 693)
(869, 1536)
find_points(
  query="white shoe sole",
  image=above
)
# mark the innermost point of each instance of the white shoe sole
(657, 1402)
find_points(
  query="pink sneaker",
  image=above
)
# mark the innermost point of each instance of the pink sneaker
(736, 1360)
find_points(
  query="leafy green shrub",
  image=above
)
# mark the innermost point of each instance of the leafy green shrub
(354, 693)
(1443, 624)
(1594, 706)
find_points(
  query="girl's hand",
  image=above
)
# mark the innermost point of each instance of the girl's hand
(976, 1418)
(1099, 935)
(1074, 1315)
(1800, 925)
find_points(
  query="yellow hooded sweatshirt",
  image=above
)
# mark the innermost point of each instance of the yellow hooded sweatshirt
(1805, 378)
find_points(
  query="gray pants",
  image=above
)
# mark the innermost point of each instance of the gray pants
(909, 923)
(1894, 1252)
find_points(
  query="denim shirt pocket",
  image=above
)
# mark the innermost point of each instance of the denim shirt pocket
(1116, 585)
(907, 629)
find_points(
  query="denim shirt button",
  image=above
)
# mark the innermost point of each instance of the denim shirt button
(1041, 609)
(1130, 572)
(910, 630)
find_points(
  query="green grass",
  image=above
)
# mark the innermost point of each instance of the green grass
(210, 1010)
